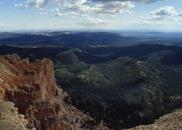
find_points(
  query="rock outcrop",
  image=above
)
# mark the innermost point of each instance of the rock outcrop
(10, 119)
(33, 89)
(172, 121)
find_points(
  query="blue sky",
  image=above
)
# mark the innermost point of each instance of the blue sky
(159, 15)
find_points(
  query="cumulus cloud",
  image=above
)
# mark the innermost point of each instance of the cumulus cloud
(82, 6)
(43, 3)
(163, 13)
(143, 1)
(98, 8)
(114, 7)
(161, 16)
(33, 3)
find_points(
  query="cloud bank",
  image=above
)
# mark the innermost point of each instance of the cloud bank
(43, 3)
(98, 11)
(81, 8)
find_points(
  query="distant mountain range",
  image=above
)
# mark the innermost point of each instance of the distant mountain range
(58, 38)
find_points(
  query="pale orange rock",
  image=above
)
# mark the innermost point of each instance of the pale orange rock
(33, 89)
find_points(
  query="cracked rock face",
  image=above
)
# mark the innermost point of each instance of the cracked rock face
(32, 87)
(28, 85)
(21, 77)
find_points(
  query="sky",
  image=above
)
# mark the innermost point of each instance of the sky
(159, 15)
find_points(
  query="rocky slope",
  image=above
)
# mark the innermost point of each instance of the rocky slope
(33, 89)
(172, 121)
(10, 119)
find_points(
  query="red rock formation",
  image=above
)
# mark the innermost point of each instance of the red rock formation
(37, 77)
(33, 89)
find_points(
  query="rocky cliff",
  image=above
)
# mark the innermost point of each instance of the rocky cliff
(33, 89)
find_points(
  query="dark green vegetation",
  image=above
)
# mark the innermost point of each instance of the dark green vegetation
(125, 91)
(122, 86)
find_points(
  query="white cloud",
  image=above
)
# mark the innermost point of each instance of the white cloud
(91, 21)
(101, 9)
(86, 6)
(141, 22)
(163, 16)
(43, 13)
(115, 7)
(43, 3)
(142, 1)
(33, 3)
(2, 24)
(165, 13)
(81, 6)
